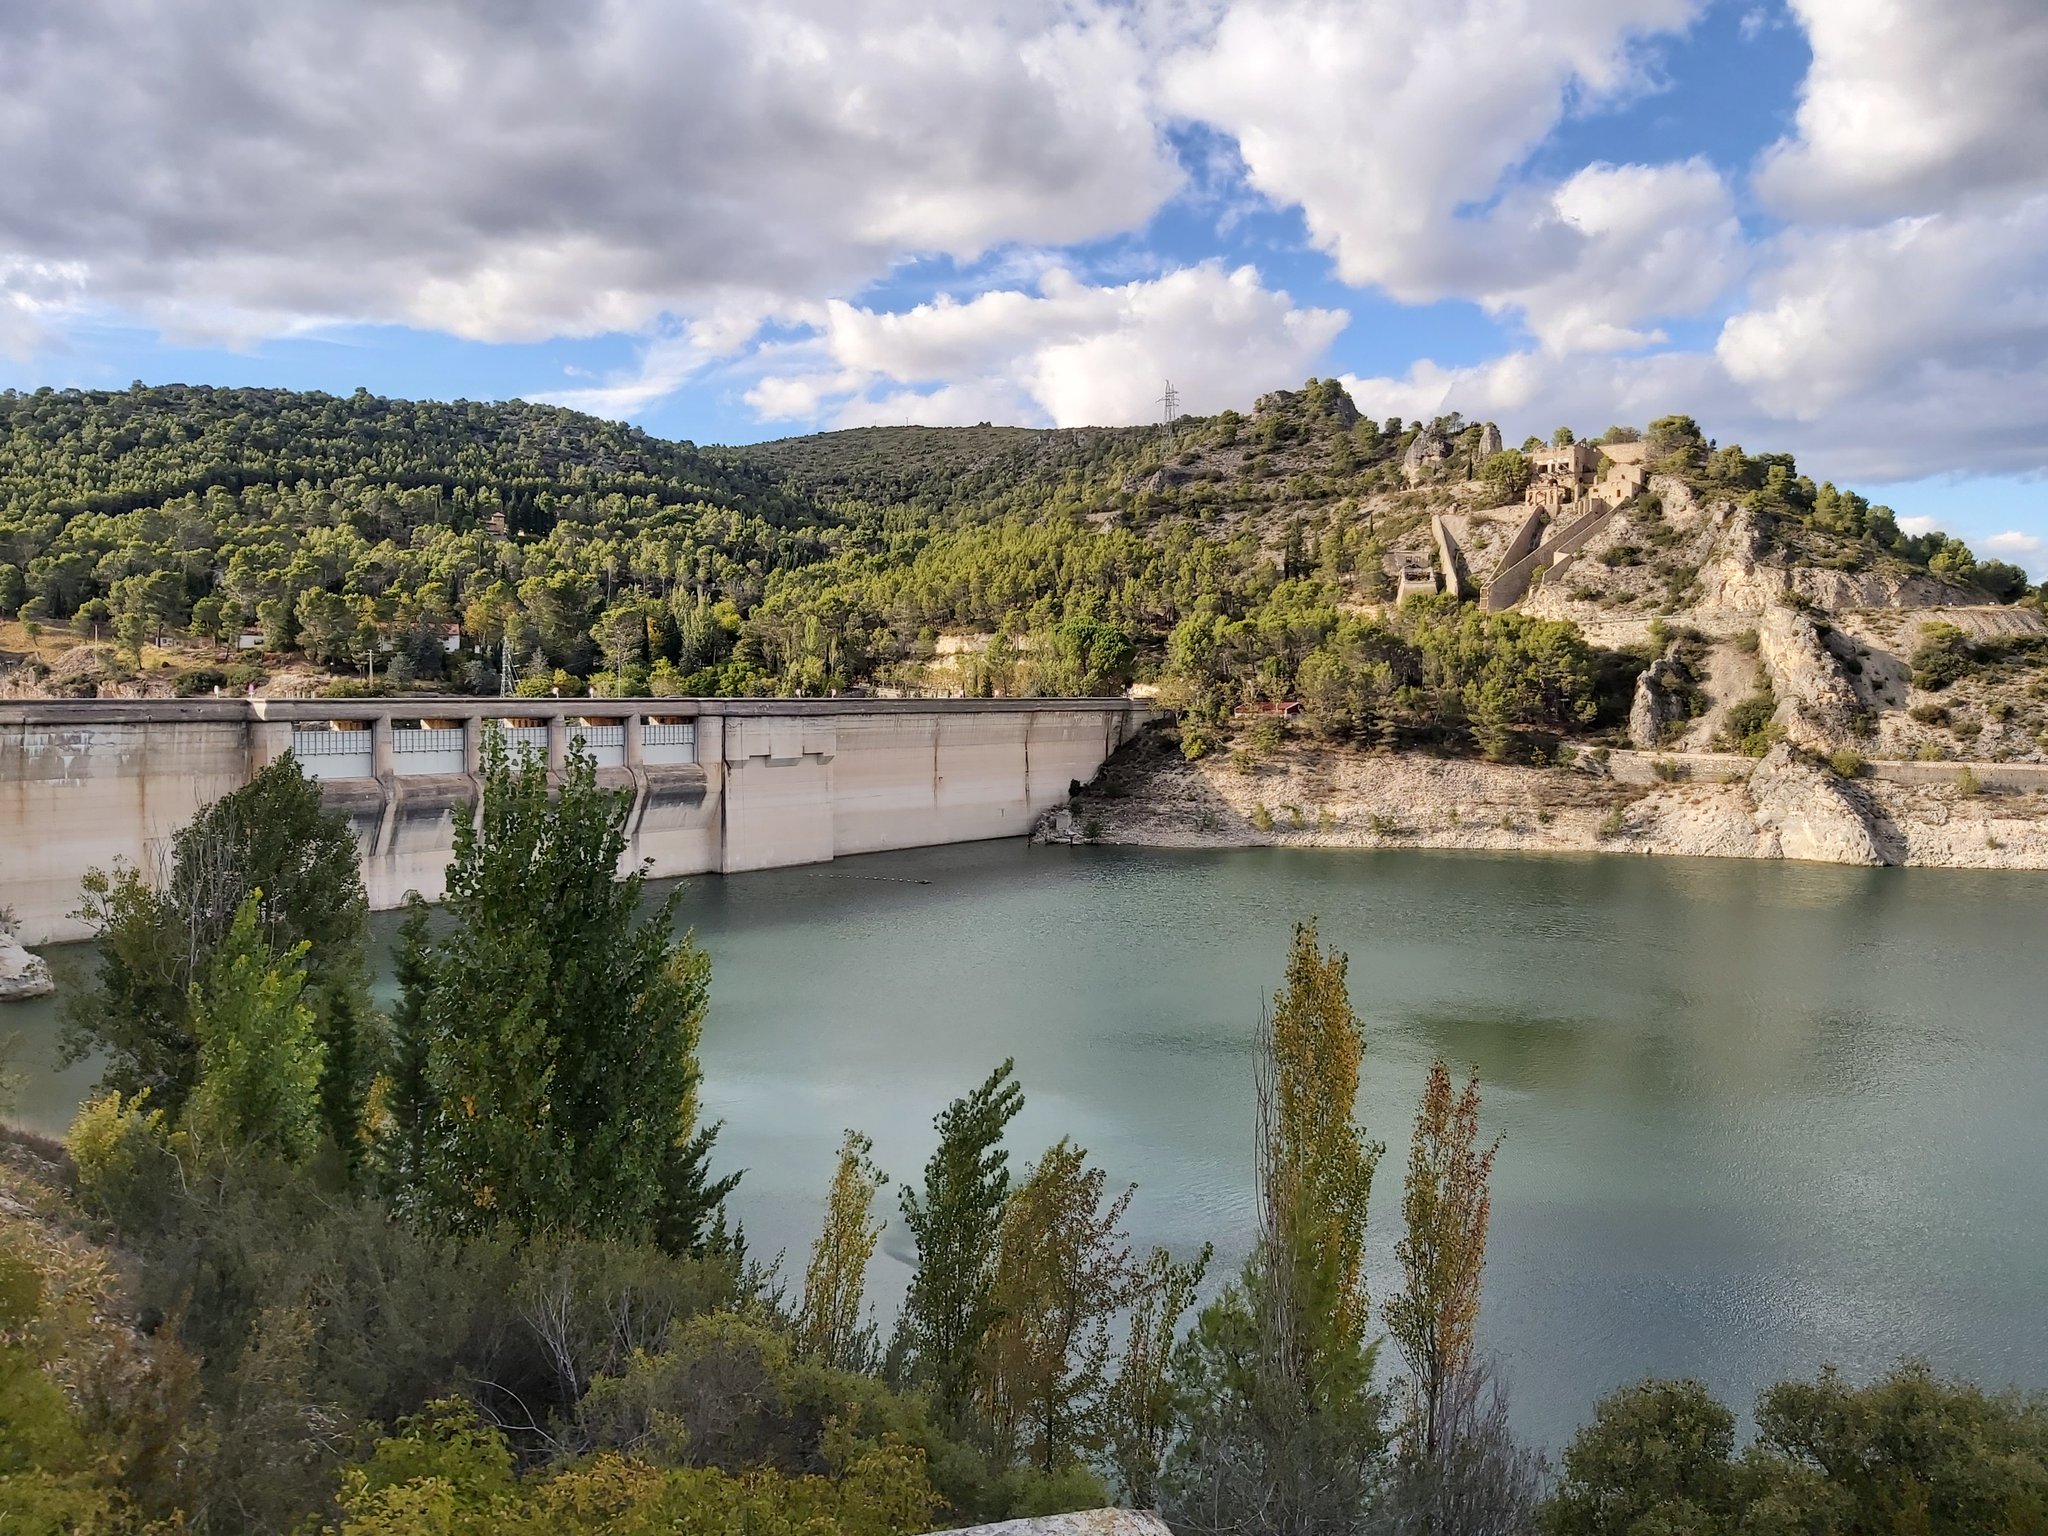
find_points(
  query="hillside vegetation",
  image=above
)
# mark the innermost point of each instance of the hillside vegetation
(1228, 560)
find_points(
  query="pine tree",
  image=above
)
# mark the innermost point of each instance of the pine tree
(828, 1325)
(949, 1307)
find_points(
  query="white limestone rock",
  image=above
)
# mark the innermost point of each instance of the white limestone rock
(1806, 812)
(1817, 704)
(1091, 1522)
(1660, 701)
(22, 975)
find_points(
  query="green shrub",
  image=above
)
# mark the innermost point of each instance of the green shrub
(1091, 830)
(1666, 770)
(1612, 823)
(1966, 782)
(1945, 654)
(123, 1151)
(1847, 762)
(1751, 726)
(199, 680)
(1262, 818)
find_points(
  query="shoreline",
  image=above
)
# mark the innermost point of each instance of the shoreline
(1781, 806)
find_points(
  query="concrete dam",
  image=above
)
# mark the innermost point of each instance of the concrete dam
(717, 785)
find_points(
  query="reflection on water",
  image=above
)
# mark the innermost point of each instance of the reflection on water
(1758, 1117)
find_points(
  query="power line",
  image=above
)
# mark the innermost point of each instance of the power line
(1169, 408)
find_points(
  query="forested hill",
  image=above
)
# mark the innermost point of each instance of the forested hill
(180, 538)
(67, 451)
(940, 473)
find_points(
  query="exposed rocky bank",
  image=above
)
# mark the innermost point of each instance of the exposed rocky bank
(22, 975)
(1782, 806)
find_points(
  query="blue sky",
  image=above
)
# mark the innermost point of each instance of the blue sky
(731, 222)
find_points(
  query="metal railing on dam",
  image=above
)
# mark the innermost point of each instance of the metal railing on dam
(717, 785)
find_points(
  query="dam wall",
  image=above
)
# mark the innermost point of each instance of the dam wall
(716, 785)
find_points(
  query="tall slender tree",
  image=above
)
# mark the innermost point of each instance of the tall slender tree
(1142, 1401)
(829, 1327)
(409, 1100)
(1286, 1433)
(1446, 1202)
(950, 1305)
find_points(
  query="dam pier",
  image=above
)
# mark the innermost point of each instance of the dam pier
(717, 785)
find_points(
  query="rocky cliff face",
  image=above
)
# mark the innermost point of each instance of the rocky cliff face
(1784, 806)
(1817, 704)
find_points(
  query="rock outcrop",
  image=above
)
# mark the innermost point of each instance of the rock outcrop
(1817, 704)
(1089, 1522)
(1489, 442)
(1428, 450)
(1663, 698)
(1804, 811)
(21, 973)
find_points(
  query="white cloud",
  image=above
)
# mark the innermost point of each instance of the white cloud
(2014, 544)
(35, 297)
(519, 170)
(1070, 354)
(1651, 240)
(1912, 106)
(1398, 127)
(1907, 338)
(1918, 527)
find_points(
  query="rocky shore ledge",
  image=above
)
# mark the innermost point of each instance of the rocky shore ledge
(1786, 805)
(22, 975)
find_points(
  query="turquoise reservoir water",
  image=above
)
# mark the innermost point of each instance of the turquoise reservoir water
(1758, 1117)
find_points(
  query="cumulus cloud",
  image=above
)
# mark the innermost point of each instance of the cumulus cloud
(521, 170)
(1397, 127)
(1072, 353)
(1911, 106)
(1896, 329)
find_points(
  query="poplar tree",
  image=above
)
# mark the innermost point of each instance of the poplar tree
(407, 1090)
(950, 1306)
(259, 1055)
(828, 1325)
(1063, 1271)
(1286, 1432)
(563, 1026)
(1446, 1203)
(1141, 1406)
